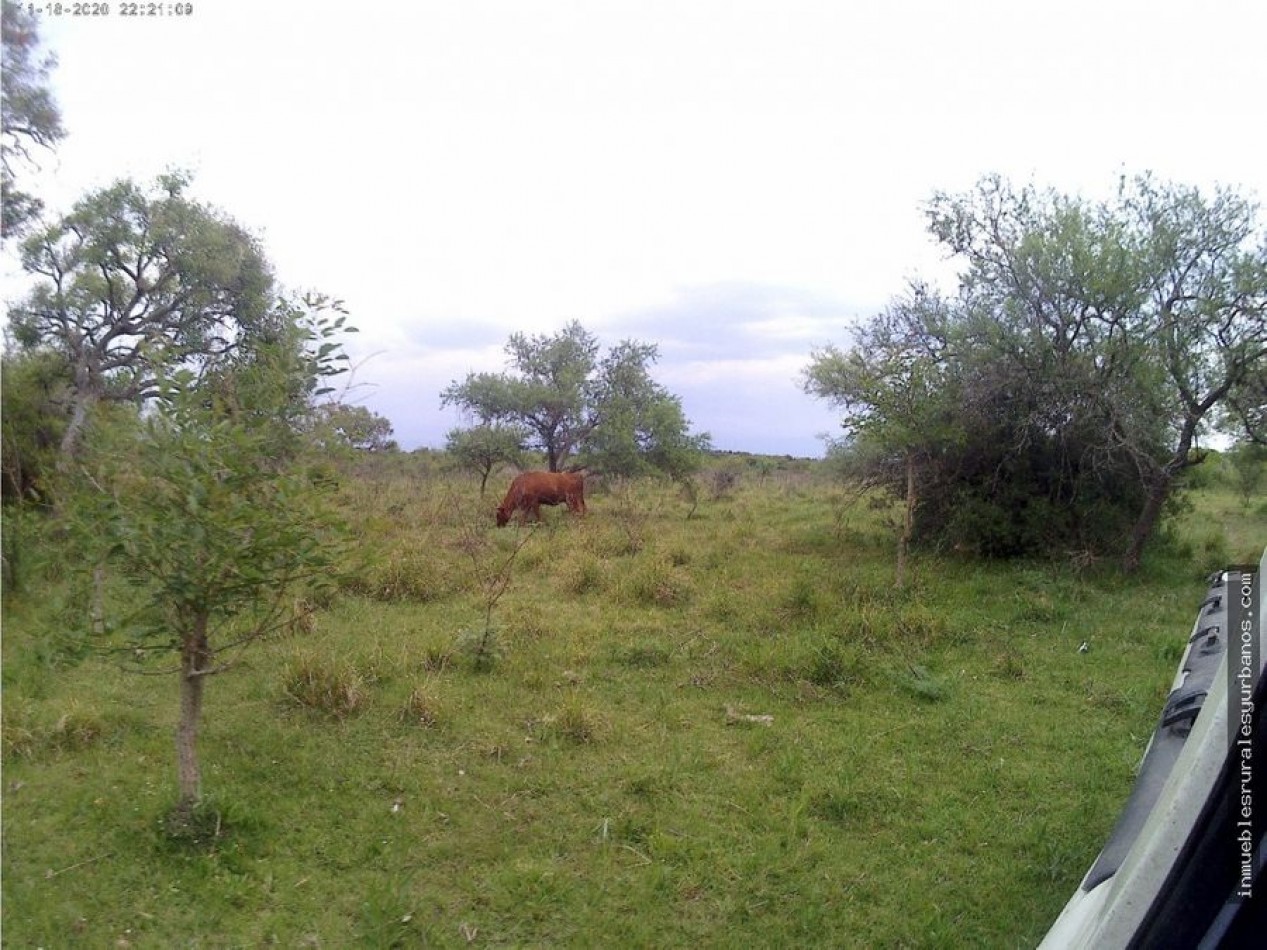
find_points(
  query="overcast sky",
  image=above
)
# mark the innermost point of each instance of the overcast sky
(735, 181)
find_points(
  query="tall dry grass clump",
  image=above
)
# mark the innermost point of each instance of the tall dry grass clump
(421, 708)
(324, 685)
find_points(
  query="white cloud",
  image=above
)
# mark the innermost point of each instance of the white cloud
(736, 180)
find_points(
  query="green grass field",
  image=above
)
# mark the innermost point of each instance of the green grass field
(719, 730)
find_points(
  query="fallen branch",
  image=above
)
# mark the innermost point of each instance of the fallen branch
(732, 716)
(101, 857)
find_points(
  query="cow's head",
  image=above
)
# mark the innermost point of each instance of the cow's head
(503, 515)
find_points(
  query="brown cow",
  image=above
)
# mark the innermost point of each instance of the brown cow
(530, 490)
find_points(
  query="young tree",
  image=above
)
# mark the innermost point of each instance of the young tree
(29, 115)
(131, 283)
(1248, 461)
(895, 387)
(485, 447)
(609, 411)
(208, 515)
(356, 427)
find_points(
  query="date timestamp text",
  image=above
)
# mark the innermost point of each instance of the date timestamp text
(128, 9)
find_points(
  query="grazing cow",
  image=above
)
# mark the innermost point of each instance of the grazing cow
(530, 490)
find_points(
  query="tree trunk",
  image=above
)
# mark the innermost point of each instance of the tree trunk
(908, 522)
(1158, 492)
(74, 429)
(195, 660)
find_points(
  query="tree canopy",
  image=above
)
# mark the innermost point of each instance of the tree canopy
(29, 115)
(131, 281)
(1056, 398)
(570, 404)
(355, 427)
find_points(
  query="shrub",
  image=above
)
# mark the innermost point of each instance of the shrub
(918, 682)
(334, 689)
(584, 575)
(829, 667)
(865, 627)
(723, 483)
(481, 647)
(436, 659)
(655, 583)
(574, 723)
(421, 709)
(527, 623)
(919, 627)
(74, 730)
(414, 573)
(635, 505)
(1009, 663)
(803, 599)
(19, 734)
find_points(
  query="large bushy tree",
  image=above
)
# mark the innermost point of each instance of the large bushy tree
(607, 412)
(134, 281)
(1143, 319)
(1089, 348)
